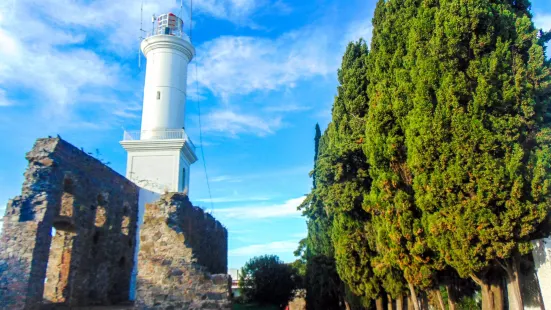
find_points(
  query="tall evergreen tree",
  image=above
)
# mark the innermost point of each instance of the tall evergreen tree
(324, 288)
(401, 239)
(459, 137)
(342, 172)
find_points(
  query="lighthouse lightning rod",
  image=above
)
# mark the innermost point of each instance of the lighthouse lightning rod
(141, 37)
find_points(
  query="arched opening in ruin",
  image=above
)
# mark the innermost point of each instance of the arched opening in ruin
(56, 286)
(101, 211)
(125, 225)
(57, 282)
(122, 262)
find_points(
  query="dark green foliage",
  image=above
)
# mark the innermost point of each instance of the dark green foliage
(437, 161)
(300, 266)
(401, 240)
(475, 126)
(267, 280)
(343, 178)
(323, 284)
(457, 134)
(321, 281)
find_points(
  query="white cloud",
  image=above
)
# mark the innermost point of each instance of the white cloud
(543, 21)
(287, 108)
(276, 247)
(234, 10)
(234, 199)
(231, 123)
(239, 65)
(47, 60)
(118, 21)
(276, 173)
(358, 29)
(288, 208)
(225, 178)
(3, 99)
(42, 62)
(301, 235)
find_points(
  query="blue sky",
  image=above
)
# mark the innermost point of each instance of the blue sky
(266, 75)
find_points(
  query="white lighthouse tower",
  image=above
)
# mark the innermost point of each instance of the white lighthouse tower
(160, 154)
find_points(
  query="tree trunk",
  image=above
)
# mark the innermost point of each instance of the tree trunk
(410, 303)
(346, 305)
(424, 301)
(413, 296)
(512, 266)
(487, 296)
(451, 298)
(497, 293)
(400, 302)
(440, 299)
(389, 302)
(379, 303)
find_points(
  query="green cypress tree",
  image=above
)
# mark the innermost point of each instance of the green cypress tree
(397, 221)
(342, 172)
(459, 137)
(324, 288)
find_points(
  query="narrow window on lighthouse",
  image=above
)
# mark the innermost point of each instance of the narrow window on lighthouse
(158, 95)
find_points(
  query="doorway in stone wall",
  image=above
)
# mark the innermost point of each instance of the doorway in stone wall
(57, 282)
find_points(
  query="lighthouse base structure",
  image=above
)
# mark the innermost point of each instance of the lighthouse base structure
(161, 166)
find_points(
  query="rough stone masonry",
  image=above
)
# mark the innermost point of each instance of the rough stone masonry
(180, 244)
(69, 240)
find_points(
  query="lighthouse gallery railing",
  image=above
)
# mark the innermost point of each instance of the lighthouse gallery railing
(170, 134)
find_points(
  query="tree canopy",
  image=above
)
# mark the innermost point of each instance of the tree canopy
(437, 160)
(268, 280)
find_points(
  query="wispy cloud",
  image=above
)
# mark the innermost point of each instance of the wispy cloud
(57, 57)
(227, 199)
(276, 247)
(225, 178)
(358, 29)
(269, 173)
(118, 21)
(256, 63)
(287, 108)
(288, 208)
(4, 102)
(231, 123)
(543, 21)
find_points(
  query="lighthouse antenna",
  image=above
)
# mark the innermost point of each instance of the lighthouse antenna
(141, 37)
(181, 11)
(190, 17)
(153, 18)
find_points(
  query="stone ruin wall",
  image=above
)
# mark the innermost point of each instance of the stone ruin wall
(93, 211)
(89, 260)
(180, 246)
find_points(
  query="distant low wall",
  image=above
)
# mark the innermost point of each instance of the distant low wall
(180, 248)
(92, 210)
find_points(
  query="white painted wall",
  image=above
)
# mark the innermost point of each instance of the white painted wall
(165, 81)
(542, 260)
(144, 198)
(155, 170)
(158, 166)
